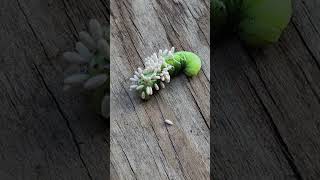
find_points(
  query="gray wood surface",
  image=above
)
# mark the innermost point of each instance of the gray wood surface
(46, 133)
(266, 106)
(142, 146)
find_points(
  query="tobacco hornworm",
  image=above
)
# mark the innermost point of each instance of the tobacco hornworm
(159, 68)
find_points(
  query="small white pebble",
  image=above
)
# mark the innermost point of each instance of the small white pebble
(167, 121)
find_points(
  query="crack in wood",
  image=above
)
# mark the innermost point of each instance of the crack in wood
(51, 93)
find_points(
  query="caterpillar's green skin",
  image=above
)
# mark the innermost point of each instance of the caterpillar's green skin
(258, 22)
(189, 62)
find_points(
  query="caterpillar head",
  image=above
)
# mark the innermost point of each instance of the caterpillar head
(154, 75)
(91, 55)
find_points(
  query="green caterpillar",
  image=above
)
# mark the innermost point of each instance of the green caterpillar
(160, 68)
(257, 22)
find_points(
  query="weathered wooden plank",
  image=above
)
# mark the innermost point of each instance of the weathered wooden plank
(45, 133)
(288, 73)
(291, 75)
(284, 79)
(244, 142)
(142, 146)
(306, 21)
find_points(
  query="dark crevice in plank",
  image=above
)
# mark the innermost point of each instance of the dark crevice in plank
(168, 36)
(106, 5)
(137, 30)
(154, 160)
(207, 3)
(208, 41)
(198, 106)
(306, 45)
(284, 147)
(122, 41)
(149, 118)
(66, 120)
(177, 35)
(133, 23)
(263, 82)
(32, 30)
(314, 91)
(51, 93)
(12, 87)
(179, 161)
(125, 155)
(140, 122)
(135, 27)
(204, 74)
(14, 106)
(306, 10)
(176, 153)
(70, 19)
(165, 170)
(136, 113)
(127, 28)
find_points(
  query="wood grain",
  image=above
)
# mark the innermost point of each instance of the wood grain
(265, 104)
(142, 146)
(45, 132)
